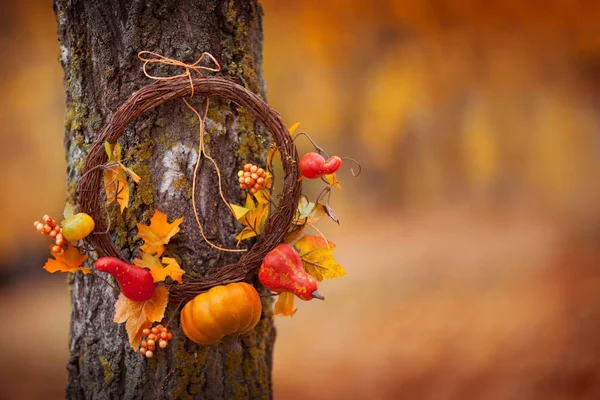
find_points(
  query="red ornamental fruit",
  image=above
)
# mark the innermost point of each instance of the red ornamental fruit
(313, 165)
(135, 282)
(282, 271)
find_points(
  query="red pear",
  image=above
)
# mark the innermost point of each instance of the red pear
(282, 271)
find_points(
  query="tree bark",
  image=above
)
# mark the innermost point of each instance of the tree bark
(99, 45)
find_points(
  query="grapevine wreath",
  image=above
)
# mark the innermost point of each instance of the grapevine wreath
(149, 282)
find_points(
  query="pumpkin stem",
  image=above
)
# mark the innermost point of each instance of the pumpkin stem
(316, 295)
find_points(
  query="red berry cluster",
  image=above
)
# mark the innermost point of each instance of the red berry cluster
(51, 228)
(252, 178)
(153, 335)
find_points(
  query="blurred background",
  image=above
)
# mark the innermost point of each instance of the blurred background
(471, 240)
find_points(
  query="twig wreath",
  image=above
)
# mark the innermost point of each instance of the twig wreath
(281, 268)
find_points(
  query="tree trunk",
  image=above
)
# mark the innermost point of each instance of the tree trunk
(99, 45)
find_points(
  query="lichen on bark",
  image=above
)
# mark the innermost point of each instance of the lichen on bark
(99, 44)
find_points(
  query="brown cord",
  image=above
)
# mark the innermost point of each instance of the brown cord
(156, 94)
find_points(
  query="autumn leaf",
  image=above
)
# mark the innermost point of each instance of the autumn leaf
(293, 233)
(254, 222)
(253, 218)
(157, 269)
(158, 233)
(69, 261)
(116, 186)
(332, 180)
(139, 315)
(293, 128)
(115, 182)
(308, 212)
(172, 269)
(262, 196)
(239, 212)
(285, 305)
(317, 259)
(114, 156)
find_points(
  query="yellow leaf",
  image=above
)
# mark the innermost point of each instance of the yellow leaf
(332, 180)
(285, 305)
(293, 128)
(254, 222)
(158, 233)
(158, 271)
(109, 148)
(317, 259)
(136, 178)
(262, 196)
(308, 212)
(115, 183)
(249, 204)
(293, 233)
(116, 186)
(238, 211)
(139, 315)
(253, 218)
(69, 261)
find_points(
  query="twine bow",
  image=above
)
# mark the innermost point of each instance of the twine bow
(160, 59)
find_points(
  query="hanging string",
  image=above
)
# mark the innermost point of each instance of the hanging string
(160, 59)
(202, 152)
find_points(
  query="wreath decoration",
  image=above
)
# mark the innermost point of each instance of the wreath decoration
(281, 268)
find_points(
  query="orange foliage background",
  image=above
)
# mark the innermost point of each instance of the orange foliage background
(471, 240)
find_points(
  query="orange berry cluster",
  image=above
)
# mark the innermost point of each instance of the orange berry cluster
(252, 178)
(51, 228)
(153, 335)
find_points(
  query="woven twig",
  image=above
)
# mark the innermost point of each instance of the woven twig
(276, 225)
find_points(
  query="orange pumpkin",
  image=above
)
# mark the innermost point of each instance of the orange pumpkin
(223, 310)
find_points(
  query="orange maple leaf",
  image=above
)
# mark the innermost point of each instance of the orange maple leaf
(157, 269)
(69, 261)
(158, 233)
(139, 315)
(285, 305)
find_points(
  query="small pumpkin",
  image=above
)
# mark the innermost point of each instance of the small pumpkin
(77, 226)
(224, 310)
